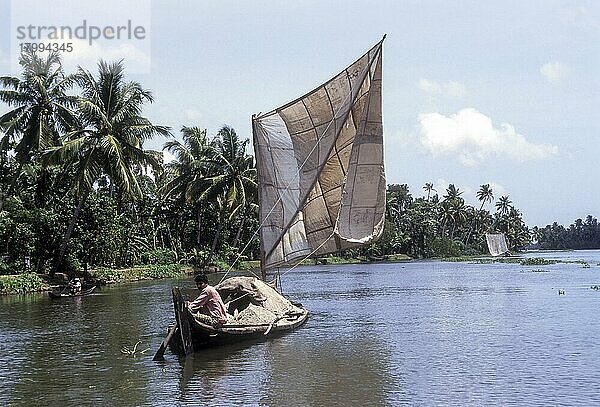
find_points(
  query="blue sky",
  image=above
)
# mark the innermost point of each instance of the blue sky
(505, 93)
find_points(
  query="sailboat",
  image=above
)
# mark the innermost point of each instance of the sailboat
(321, 186)
(496, 243)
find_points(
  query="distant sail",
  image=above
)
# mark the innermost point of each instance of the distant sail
(320, 167)
(496, 244)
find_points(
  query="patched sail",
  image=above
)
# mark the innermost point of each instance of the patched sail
(496, 244)
(320, 167)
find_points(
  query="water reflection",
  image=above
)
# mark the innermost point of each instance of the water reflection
(69, 350)
(344, 372)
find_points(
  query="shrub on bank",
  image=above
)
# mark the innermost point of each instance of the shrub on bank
(161, 257)
(20, 283)
(108, 275)
(161, 271)
(537, 261)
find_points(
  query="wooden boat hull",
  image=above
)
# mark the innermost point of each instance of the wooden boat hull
(54, 294)
(192, 336)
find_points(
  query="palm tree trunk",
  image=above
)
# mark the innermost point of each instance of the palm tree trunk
(67, 236)
(239, 231)
(214, 245)
(11, 187)
(473, 225)
(153, 234)
(199, 227)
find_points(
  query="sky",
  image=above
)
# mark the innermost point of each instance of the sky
(501, 93)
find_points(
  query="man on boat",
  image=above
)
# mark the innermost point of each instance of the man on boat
(75, 286)
(209, 303)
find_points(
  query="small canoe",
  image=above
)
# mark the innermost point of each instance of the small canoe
(65, 293)
(257, 311)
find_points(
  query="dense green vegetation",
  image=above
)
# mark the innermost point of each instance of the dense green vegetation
(79, 190)
(20, 283)
(431, 226)
(579, 235)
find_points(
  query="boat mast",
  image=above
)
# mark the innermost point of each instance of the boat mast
(263, 272)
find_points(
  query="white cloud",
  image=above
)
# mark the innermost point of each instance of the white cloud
(430, 87)
(471, 136)
(554, 71)
(450, 89)
(192, 114)
(580, 16)
(135, 59)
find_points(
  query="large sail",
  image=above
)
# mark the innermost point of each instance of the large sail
(320, 167)
(496, 244)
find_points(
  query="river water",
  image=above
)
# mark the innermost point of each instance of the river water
(414, 333)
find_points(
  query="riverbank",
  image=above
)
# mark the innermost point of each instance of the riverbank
(32, 282)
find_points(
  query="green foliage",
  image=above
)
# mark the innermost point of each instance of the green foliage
(71, 265)
(161, 271)
(581, 234)
(430, 227)
(158, 257)
(108, 275)
(468, 258)
(20, 283)
(5, 268)
(221, 265)
(445, 247)
(537, 261)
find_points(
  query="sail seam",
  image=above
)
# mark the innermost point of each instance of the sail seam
(352, 94)
(366, 111)
(332, 218)
(319, 168)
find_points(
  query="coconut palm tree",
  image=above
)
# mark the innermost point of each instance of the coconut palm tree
(233, 182)
(503, 205)
(235, 173)
(452, 193)
(458, 212)
(110, 140)
(428, 188)
(445, 215)
(485, 194)
(187, 177)
(41, 109)
(399, 196)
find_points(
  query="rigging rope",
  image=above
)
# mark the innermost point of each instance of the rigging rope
(308, 255)
(285, 189)
(279, 198)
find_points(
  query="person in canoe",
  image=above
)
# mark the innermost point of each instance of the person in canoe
(209, 303)
(75, 286)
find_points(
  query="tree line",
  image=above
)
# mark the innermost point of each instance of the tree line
(79, 189)
(579, 235)
(445, 226)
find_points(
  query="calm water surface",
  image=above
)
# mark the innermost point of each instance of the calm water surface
(417, 333)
